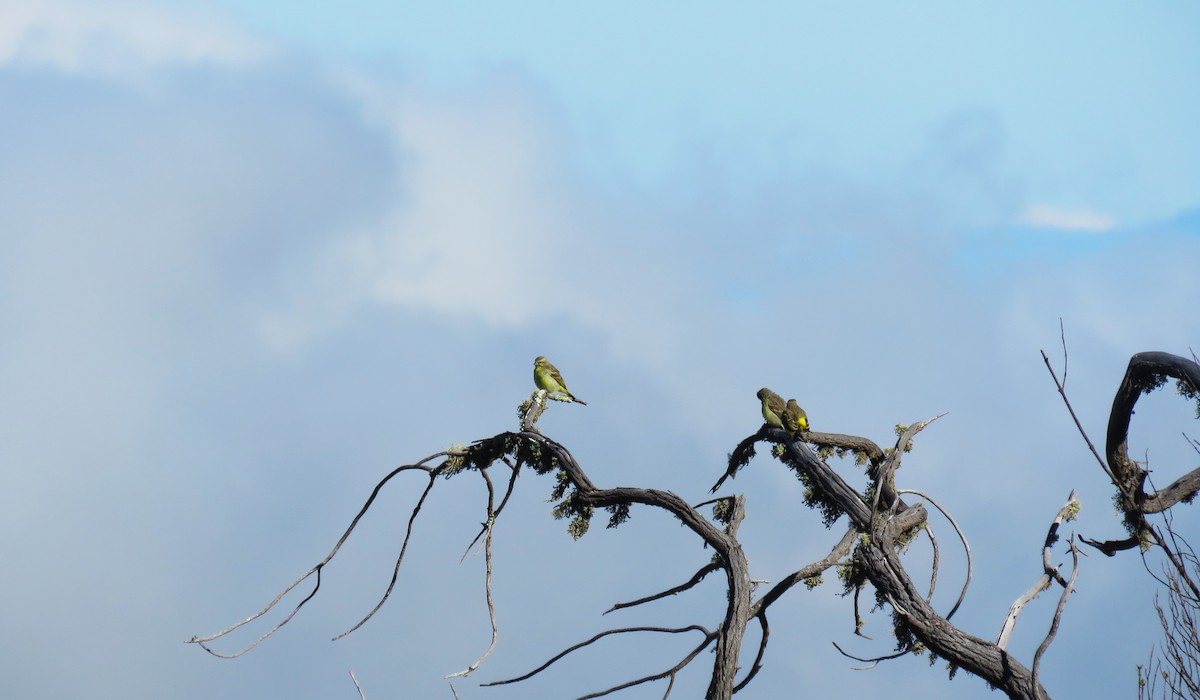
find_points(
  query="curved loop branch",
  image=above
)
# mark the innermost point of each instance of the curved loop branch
(1148, 371)
(431, 472)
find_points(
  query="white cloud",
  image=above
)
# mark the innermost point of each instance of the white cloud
(475, 226)
(1047, 216)
(489, 224)
(112, 38)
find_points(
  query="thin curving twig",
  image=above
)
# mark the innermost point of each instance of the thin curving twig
(695, 579)
(961, 537)
(202, 641)
(1062, 604)
(709, 636)
(762, 650)
(487, 578)
(399, 559)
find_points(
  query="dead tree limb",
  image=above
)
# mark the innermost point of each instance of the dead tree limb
(487, 579)
(1049, 574)
(879, 526)
(1068, 589)
(1148, 371)
(431, 472)
(1137, 499)
(690, 583)
(878, 557)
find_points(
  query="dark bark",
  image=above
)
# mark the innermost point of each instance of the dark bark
(737, 569)
(886, 573)
(1147, 371)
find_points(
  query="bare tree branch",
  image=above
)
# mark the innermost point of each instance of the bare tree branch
(885, 491)
(483, 528)
(840, 550)
(873, 661)
(708, 638)
(1049, 571)
(879, 529)
(762, 649)
(935, 564)
(880, 564)
(695, 579)
(966, 548)
(202, 641)
(399, 559)
(487, 579)
(1146, 372)
(1062, 391)
(1068, 588)
(357, 686)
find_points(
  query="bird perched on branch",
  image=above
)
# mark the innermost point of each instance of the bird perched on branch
(547, 378)
(795, 420)
(772, 407)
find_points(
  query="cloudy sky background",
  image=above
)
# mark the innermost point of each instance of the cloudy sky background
(254, 254)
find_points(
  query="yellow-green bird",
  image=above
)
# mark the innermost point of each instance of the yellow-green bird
(546, 376)
(795, 420)
(772, 406)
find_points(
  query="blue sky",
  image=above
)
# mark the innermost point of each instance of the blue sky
(255, 254)
(1069, 90)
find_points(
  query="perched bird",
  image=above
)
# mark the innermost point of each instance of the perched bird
(546, 376)
(795, 420)
(772, 407)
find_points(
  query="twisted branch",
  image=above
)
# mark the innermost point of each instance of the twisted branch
(1049, 574)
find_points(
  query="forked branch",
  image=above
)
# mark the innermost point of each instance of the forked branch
(1049, 574)
(422, 466)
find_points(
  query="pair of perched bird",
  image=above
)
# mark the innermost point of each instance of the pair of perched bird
(788, 416)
